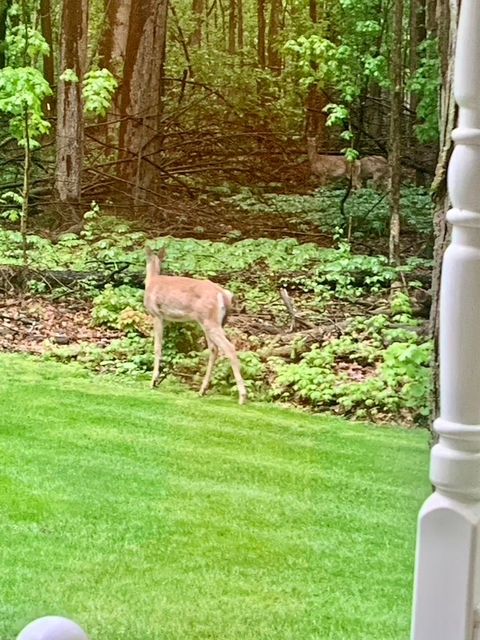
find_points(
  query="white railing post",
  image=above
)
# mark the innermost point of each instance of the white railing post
(447, 576)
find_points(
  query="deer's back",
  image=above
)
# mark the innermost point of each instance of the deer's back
(331, 165)
(179, 299)
(373, 164)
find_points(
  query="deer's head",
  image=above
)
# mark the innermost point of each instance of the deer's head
(155, 260)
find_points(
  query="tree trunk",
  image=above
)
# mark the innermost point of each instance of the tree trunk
(261, 31)
(431, 17)
(48, 61)
(112, 52)
(447, 29)
(418, 33)
(188, 71)
(70, 133)
(316, 118)
(274, 59)
(313, 103)
(3, 33)
(395, 132)
(114, 40)
(198, 10)
(141, 94)
(240, 31)
(232, 27)
(4, 6)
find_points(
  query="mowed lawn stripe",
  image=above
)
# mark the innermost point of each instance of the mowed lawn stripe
(159, 515)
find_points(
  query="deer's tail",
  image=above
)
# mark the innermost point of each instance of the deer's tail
(225, 298)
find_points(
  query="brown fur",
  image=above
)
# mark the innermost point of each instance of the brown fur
(374, 168)
(180, 299)
(329, 168)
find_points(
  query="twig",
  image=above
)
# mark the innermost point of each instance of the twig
(288, 302)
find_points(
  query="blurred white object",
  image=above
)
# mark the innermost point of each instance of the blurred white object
(52, 628)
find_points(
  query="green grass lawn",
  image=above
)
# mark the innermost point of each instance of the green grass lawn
(158, 515)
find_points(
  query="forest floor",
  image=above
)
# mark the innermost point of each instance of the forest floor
(218, 222)
(32, 323)
(215, 222)
(283, 307)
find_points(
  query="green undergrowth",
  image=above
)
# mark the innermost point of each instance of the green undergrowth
(108, 244)
(159, 515)
(379, 368)
(374, 367)
(367, 210)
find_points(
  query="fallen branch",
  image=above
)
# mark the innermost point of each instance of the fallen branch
(18, 278)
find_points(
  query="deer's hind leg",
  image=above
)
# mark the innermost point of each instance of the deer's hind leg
(211, 363)
(217, 335)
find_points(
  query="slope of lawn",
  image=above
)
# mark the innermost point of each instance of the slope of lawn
(159, 515)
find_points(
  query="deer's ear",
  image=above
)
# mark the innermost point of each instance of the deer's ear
(161, 254)
(148, 251)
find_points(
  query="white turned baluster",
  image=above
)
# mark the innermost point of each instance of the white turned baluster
(447, 580)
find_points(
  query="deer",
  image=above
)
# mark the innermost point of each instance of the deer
(329, 168)
(182, 299)
(376, 168)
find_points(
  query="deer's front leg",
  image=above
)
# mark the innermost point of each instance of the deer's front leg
(158, 341)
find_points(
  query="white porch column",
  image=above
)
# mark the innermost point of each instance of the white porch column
(447, 580)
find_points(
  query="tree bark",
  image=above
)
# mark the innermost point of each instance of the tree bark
(112, 52)
(418, 33)
(447, 29)
(198, 10)
(240, 30)
(141, 95)
(70, 125)
(232, 27)
(114, 40)
(48, 61)
(4, 6)
(316, 118)
(395, 132)
(431, 16)
(261, 31)
(274, 59)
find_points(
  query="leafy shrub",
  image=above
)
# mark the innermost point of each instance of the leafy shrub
(134, 321)
(376, 368)
(112, 302)
(132, 355)
(351, 275)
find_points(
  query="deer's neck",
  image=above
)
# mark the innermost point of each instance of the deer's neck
(153, 269)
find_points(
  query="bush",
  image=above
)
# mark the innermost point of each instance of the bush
(376, 369)
(112, 302)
